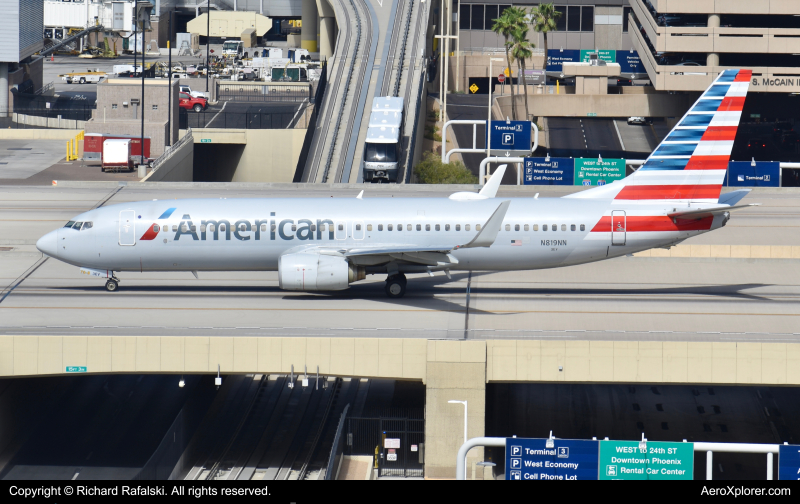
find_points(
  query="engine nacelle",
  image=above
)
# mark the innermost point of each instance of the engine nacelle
(307, 271)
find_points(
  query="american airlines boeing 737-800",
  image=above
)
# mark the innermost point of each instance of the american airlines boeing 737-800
(326, 244)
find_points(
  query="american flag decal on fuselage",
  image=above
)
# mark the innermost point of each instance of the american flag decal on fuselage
(690, 163)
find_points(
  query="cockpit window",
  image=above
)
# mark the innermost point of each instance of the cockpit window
(77, 226)
(86, 225)
(69, 224)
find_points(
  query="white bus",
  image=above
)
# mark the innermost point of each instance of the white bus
(383, 145)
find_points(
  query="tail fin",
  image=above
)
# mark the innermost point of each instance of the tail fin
(690, 163)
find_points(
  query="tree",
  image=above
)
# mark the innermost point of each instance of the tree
(544, 18)
(510, 21)
(431, 170)
(520, 50)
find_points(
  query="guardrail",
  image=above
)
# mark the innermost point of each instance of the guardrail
(337, 448)
(169, 152)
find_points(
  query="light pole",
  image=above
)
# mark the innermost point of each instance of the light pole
(482, 464)
(489, 119)
(208, 43)
(458, 44)
(444, 39)
(465, 426)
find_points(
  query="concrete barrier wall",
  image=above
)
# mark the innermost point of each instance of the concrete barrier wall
(38, 134)
(48, 122)
(178, 168)
(607, 105)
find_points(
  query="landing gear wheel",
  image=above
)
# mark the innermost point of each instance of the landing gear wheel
(112, 285)
(396, 286)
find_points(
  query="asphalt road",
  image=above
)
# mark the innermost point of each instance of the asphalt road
(620, 299)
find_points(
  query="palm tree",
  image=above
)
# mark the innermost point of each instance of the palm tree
(520, 50)
(506, 25)
(544, 18)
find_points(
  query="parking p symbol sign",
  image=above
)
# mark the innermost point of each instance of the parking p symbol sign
(508, 138)
(516, 451)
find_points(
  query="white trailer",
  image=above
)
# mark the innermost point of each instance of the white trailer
(117, 155)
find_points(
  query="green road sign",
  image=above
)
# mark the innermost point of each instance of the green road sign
(624, 460)
(595, 172)
(205, 140)
(607, 55)
(76, 369)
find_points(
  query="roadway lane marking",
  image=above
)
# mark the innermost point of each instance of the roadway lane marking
(215, 115)
(618, 134)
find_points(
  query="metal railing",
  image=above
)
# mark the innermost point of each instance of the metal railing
(366, 436)
(337, 450)
(170, 151)
(245, 120)
(45, 89)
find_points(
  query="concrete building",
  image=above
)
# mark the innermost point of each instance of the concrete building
(710, 36)
(20, 37)
(119, 110)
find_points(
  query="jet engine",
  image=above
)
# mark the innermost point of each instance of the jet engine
(308, 271)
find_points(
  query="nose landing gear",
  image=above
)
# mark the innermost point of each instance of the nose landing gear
(112, 284)
(396, 286)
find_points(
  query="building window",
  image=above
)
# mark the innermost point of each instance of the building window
(573, 18)
(491, 15)
(463, 17)
(587, 18)
(503, 8)
(113, 106)
(561, 23)
(155, 107)
(477, 17)
(625, 12)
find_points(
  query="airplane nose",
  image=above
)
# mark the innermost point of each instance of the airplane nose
(48, 244)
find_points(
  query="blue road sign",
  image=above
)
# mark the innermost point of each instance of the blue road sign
(555, 57)
(744, 174)
(568, 459)
(511, 136)
(629, 62)
(552, 171)
(789, 462)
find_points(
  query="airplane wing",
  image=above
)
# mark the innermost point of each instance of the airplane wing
(708, 212)
(436, 254)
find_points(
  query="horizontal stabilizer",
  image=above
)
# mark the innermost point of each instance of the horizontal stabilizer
(733, 197)
(708, 212)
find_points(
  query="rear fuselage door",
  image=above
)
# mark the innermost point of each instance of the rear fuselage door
(341, 230)
(127, 231)
(618, 227)
(358, 230)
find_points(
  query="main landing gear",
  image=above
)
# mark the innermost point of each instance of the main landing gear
(112, 284)
(396, 286)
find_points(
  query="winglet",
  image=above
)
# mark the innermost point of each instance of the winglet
(488, 233)
(360, 195)
(490, 189)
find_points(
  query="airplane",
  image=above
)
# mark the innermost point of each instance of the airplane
(327, 244)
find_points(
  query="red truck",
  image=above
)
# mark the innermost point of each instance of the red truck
(93, 145)
(190, 102)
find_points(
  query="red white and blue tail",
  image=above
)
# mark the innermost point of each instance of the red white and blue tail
(690, 163)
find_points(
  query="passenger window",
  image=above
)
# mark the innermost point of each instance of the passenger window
(184, 228)
(294, 227)
(380, 227)
(194, 228)
(438, 228)
(321, 227)
(408, 227)
(174, 227)
(458, 227)
(155, 228)
(210, 228)
(508, 227)
(427, 227)
(516, 227)
(202, 229)
(555, 227)
(572, 227)
(263, 228)
(563, 227)
(86, 225)
(447, 227)
(544, 227)
(341, 227)
(477, 227)
(389, 227)
(358, 227)
(527, 228)
(419, 227)
(369, 227)
(222, 227)
(466, 227)
(313, 227)
(583, 227)
(273, 227)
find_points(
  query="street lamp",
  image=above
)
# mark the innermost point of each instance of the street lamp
(489, 120)
(465, 426)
